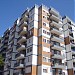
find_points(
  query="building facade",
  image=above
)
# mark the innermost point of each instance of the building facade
(69, 35)
(4, 48)
(36, 44)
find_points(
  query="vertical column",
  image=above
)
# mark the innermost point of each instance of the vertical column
(32, 42)
(44, 54)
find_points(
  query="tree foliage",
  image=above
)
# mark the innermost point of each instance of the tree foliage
(1, 60)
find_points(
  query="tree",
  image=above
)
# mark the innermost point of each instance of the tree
(1, 61)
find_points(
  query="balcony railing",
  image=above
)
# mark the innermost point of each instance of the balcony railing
(57, 65)
(19, 73)
(23, 31)
(73, 59)
(53, 23)
(23, 24)
(72, 44)
(56, 31)
(20, 47)
(19, 65)
(70, 31)
(71, 38)
(21, 39)
(57, 47)
(58, 56)
(53, 11)
(73, 52)
(58, 39)
(19, 56)
(24, 17)
(6, 41)
(55, 18)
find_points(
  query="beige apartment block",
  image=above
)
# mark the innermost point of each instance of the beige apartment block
(40, 43)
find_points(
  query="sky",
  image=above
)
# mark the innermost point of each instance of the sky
(10, 10)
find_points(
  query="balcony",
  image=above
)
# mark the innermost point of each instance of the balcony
(20, 74)
(23, 31)
(56, 31)
(73, 59)
(11, 37)
(72, 44)
(73, 52)
(58, 39)
(6, 62)
(6, 36)
(70, 31)
(5, 46)
(53, 23)
(57, 47)
(21, 39)
(6, 41)
(23, 24)
(53, 11)
(19, 65)
(19, 56)
(57, 65)
(55, 18)
(58, 56)
(71, 38)
(20, 47)
(69, 25)
(24, 17)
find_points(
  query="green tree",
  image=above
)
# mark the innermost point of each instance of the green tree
(1, 60)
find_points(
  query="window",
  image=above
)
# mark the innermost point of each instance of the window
(54, 71)
(44, 59)
(30, 49)
(63, 73)
(49, 60)
(31, 18)
(43, 10)
(58, 52)
(45, 70)
(28, 59)
(29, 40)
(60, 71)
(44, 31)
(44, 40)
(30, 32)
(48, 33)
(48, 41)
(44, 24)
(44, 17)
(52, 51)
(28, 69)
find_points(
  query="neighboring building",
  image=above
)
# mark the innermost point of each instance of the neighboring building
(36, 44)
(69, 34)
(11, 52)
(4, 47)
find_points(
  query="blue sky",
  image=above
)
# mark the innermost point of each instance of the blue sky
(10, 10)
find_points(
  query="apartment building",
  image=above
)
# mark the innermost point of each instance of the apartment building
(69, 34)
(52, 42)
(36, 44)
(11, 52)
(4, 47)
